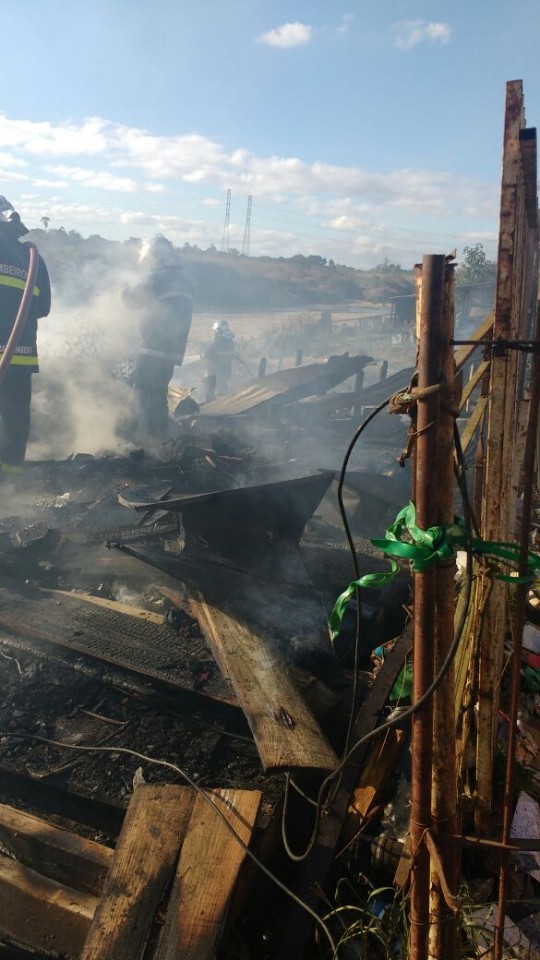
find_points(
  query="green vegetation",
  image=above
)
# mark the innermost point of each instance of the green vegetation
(475, 267)
(222, 281)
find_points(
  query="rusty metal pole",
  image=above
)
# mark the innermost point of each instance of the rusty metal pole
(518, 622)
(443, 928)
(431, 287)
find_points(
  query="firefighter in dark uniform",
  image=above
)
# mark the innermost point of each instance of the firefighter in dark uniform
(220, 355)
(16, 386)
(164, 299)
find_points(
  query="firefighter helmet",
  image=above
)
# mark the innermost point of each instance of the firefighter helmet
(159, 252)
(10, 218)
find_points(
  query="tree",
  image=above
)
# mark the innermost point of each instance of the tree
(476, 268)
(45, 221)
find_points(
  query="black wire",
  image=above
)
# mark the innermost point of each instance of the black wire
(447, 662)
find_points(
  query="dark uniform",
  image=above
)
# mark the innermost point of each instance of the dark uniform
(16, 388)
(219, 356)
(165, 301)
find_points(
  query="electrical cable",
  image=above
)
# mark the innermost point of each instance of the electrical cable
(206, 797)
(22, 312)
(445, 666)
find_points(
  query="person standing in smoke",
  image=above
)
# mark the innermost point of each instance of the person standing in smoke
(220, 354)
(164, 299)
(16, 379)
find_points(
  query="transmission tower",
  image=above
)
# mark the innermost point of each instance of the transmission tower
(225, 237)
(247, 231)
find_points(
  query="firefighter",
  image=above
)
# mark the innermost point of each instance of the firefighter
(16, 385)
(164, 299)
(220, 354)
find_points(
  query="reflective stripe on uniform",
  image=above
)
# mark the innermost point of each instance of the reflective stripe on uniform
(20, 284)
(23, 360)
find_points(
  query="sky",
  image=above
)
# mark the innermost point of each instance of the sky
(361, 129)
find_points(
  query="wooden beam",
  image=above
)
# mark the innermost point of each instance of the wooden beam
(54, 852)
(373, 779)
(473, 423)
(473, 382)
(42, 914)
(482, 332)
(284, 729)
(143, 865)
(297, 926)
(147, 615)
(206, 874)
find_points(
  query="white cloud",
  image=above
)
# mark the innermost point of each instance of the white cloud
(46, 140)
(91, 178)
(408, 33)
(287, 35)
(331, 206)
(345, 24)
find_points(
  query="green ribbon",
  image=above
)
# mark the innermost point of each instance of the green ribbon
(424, 548)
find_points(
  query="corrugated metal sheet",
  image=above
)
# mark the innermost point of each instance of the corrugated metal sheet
(286, 385)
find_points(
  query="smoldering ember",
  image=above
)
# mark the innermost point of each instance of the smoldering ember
(269, 607)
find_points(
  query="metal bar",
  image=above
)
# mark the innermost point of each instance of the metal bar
(430, 281)
(528, 346)
(444, 867)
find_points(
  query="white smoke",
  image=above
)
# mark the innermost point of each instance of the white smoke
(80, 399)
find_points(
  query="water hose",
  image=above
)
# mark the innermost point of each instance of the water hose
(22, 312)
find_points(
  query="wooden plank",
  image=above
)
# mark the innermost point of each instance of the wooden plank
(473, 423)
(42, 914)
(143, 864)
(54, 852)
(205, 876)
(296, 927)
(482, 332)
(284, 729)
(149, 616)
(373, 779)
(495, 520)
(473, 382)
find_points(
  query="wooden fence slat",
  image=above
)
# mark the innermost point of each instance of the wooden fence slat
(207, 869)
(473, 423)
(54, 852)
(473, 382)
(42, 914)
(143, 864)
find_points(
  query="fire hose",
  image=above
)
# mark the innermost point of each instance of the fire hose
(22, 312)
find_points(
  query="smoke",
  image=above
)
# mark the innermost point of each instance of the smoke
(81, 401)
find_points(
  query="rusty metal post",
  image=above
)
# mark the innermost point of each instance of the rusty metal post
(431, 289)
(298, 360)
(443, 928)
(262, 367)
(383, 372)
(517, 631)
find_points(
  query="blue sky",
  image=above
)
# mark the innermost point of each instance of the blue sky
(361, 129)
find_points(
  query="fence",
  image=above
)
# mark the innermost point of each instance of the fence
(498, 411)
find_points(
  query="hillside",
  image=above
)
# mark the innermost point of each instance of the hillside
(80, 266)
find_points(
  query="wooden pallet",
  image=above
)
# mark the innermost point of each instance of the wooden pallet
(164, 890)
